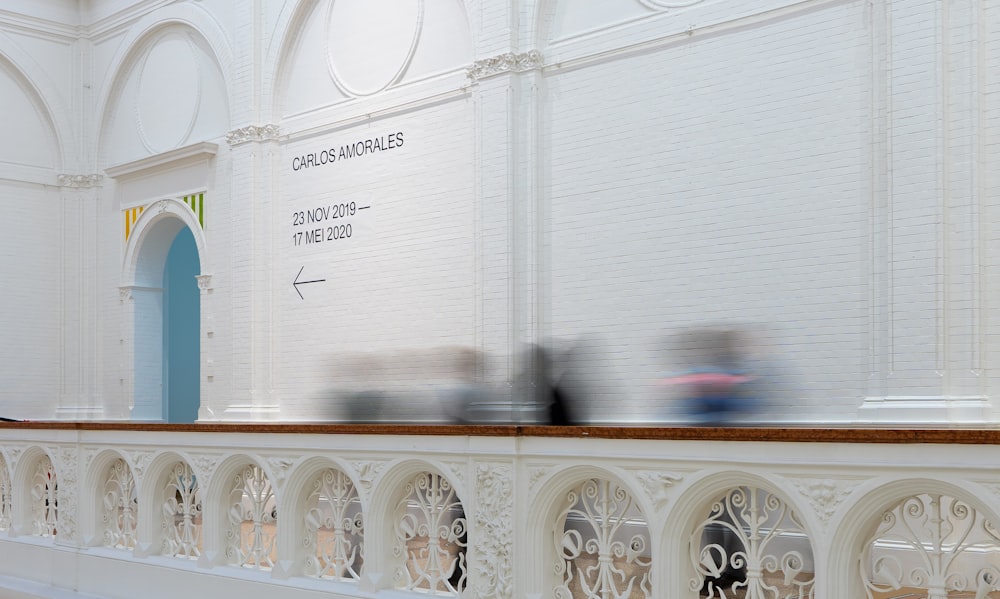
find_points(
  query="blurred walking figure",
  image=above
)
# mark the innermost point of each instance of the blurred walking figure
(714, 383)
(541, 388)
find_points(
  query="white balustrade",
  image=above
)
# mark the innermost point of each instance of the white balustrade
(155, 513)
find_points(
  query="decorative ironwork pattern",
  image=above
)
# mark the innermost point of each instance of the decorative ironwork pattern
(5, 494)
(334, 526)
(752, 545)
(604, 548)
(431, 535)
(44, 499)
(253, 520)
(932, 545)
(182, 513)
(120, 505)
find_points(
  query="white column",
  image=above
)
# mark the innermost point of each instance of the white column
(927, 302)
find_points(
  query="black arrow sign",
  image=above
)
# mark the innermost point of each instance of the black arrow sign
(297, 282)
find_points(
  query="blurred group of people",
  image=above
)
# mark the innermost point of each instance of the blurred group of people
(714, 379)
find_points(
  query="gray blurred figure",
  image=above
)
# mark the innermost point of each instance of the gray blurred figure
(543, 390)
(716, 383)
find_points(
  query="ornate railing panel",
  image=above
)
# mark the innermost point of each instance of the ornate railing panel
(120, 506)
(933, 546)
(568, 516)
(182, 513)
(44, 499)
(604, 549)
(752, 544)
(431, 535)
(253, 520)
(335, 527)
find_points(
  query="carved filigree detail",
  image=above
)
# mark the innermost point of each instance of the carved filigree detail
(504, 63)
(252, 133)
(13, 454)
(824, 495)
(68, 492)
(205, 464)
(494, 484)
(657, 485)
(140, 459)
(80, 181)
(535, 475)
(89, 453)
(458, 470)
(125, 294)
(368, 472)
(279, 469)
(204, 282)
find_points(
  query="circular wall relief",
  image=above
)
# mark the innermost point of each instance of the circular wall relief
(371, 42)
(168, 94)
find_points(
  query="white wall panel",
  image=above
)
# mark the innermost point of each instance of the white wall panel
(722, 179)
(401, 278)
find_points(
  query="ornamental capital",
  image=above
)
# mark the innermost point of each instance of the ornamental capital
(79, 181)
(252, 133)
(504, 63)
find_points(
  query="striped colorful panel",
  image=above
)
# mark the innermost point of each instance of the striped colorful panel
(196, 202)
(131, 215)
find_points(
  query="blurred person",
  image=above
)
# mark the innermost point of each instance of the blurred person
(715, 384)
(542, 388)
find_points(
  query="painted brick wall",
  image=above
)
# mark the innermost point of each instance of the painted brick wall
(822, 171)
(723, 179)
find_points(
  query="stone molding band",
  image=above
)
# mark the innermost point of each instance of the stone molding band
(80, 181)
(504, 63)
(252, 133)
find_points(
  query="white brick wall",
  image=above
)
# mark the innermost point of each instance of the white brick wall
(825, 170)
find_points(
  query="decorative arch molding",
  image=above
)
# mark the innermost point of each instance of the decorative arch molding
(858, 520)
(158, 172)
(290, 21)
(131, 52)
(42, 94)
(147, 236)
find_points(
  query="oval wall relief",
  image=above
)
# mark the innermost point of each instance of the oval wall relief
(168, 94)
(371, 42)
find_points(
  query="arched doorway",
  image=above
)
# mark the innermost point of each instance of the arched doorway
(165, 251)
(181, 317)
